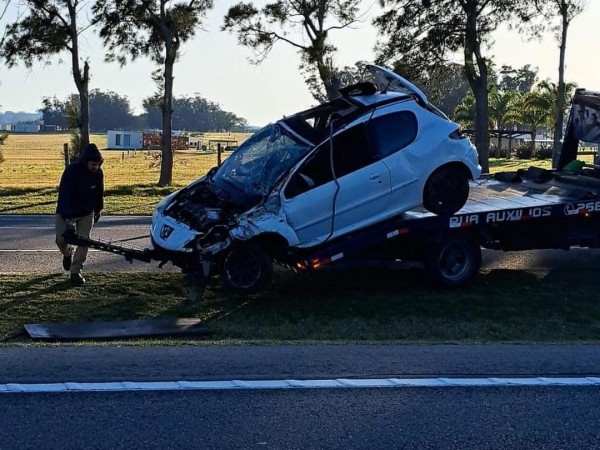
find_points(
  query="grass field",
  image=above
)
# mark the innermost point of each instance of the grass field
(349, 306)
(33, 165)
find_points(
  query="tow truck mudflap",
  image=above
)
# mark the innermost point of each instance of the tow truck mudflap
(130, 253)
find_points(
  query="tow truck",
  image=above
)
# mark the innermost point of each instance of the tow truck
(528, 209)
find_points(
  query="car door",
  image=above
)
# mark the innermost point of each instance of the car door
(364, 181)
(394, 131)
(308, 196)
(321, 204)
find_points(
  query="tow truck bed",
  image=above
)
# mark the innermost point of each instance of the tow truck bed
(562, 211)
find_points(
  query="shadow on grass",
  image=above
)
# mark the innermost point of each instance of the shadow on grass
(34, 288)
(26, 207)
(5, 192)
(336, 305)
(141, 190)
(29, 197)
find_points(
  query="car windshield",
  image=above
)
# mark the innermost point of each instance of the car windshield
(258, 163)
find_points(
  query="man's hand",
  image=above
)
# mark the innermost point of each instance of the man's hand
(97, 216)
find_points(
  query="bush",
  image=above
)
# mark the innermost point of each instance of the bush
(544, 152)
(2, 139)
(496, 152)
(524, 151)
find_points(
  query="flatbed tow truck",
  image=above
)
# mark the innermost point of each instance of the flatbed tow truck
(524, 210)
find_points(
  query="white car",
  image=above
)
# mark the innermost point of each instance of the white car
(313, 177)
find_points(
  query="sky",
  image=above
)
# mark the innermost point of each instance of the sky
(214, 66)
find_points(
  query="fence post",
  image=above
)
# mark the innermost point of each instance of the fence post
(67, 156)
(218, 154)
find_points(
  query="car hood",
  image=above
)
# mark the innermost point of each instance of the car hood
(391, 81)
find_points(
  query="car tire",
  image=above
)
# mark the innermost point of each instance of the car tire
(453, 262)
(246, 268)
(446, 190)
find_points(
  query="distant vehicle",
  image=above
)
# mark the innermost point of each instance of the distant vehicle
(375, 152)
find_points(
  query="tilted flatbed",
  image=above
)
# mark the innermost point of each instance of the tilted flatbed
(539, 209)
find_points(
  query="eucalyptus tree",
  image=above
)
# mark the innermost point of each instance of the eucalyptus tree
(156, 29)
(305, 25)
(44, 29)
(430, 32)
(566, 10)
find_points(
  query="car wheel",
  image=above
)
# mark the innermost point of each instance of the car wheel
(246, 268)
(446, 190)
(454, 261)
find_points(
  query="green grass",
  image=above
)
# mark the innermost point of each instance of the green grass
(332, 306)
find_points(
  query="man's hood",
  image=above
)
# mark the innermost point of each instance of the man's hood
(91, 153)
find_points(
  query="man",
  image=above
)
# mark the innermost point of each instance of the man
(80, 202)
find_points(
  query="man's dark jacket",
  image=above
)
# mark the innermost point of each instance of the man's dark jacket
(81, 191)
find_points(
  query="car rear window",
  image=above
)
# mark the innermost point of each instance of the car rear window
(394, 131)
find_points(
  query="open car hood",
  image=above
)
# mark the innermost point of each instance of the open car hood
(390, 81)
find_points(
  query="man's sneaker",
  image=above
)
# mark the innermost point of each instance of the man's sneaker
(77, 279)
(67, 260)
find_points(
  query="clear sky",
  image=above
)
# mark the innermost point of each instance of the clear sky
(217, 68)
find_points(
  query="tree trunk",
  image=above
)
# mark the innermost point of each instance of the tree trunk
(166, 167)
(84, 106)
(81, 80)
(330, 83)
(478, 79)
(481, 124)
(560, 97)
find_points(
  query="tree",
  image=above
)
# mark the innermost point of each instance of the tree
(310, 21)
(48, 28)
(109, 111)
(566, 10)
(519, 80)
(54, 112)
(430, 32)
(195, 114)
(157, 29)
(445, 84)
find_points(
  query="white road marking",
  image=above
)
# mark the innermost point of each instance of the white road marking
(38, 250)
(338, 383)
(8, 227)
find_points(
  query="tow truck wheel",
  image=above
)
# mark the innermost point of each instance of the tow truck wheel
(446, 190)
(454, 262)
(246, 268)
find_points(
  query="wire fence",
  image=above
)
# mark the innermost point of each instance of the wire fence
(37, 161)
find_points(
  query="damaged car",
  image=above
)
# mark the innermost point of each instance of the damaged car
(311, 178)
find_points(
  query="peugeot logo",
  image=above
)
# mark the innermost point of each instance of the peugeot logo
(166, 231)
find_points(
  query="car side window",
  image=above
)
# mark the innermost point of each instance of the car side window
(316, 171)
(351, 152)
(394, 131)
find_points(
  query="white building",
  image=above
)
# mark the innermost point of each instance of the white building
(124, 140)
(26, 128)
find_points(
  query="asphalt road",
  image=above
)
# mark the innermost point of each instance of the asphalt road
(406, 418)
(27, 246)
(535, 417)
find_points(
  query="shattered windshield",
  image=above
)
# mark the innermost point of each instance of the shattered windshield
(258, 163)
